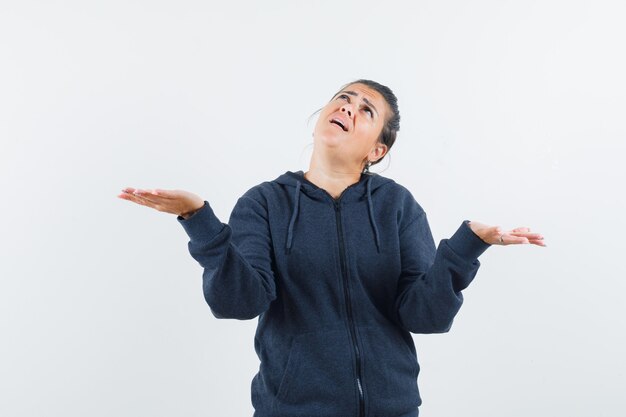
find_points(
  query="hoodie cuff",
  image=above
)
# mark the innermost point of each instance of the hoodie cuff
(466, 243)
(203, 225)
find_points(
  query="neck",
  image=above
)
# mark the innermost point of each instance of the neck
(332, 178)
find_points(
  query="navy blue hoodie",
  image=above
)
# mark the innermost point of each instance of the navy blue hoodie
(338, 286)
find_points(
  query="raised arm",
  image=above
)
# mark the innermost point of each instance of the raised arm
(429, 288)
(431, 280)
(237, 280)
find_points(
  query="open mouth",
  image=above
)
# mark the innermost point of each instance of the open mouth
(340, 124)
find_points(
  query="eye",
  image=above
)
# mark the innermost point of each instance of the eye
(369, 110)
(343, 96)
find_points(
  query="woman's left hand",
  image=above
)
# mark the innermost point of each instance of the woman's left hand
(495, 236)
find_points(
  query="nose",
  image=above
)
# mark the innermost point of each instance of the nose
(346, 108)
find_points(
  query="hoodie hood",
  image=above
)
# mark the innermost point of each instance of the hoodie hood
(353, 192)
(359, 191)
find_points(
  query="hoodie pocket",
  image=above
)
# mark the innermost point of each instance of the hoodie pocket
(319, 377)
(390, 372)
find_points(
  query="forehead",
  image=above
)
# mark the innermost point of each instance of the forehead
(370, 94)
(364, 90)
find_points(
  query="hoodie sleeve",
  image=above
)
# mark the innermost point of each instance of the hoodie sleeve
(429, 289)
(238, 281)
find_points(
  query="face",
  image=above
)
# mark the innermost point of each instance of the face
(351, 123)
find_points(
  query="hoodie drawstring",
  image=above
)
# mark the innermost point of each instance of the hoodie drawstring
(296, 206)
(370, 207)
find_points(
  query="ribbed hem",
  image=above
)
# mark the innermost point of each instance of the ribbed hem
(466, 243)
(203, 225)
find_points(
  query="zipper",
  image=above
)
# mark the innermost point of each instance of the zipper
(349, 306)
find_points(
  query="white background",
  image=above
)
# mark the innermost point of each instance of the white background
(512, 115)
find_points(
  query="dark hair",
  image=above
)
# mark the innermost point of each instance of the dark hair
(392, 124)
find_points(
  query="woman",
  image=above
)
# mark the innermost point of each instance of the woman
(340, 266)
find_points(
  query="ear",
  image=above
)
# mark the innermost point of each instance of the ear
(377, 152)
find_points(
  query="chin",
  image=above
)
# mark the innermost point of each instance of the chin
(330, 139)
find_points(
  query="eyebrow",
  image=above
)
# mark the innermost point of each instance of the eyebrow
(352, 93)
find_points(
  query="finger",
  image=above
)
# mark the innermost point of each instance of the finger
(514, 240)
(139, 200)
(538, 242)
(527, 235)
(165, 193)
(521, 229)
(147, 196)
(127, 194)
(162, 193)
(154, 197)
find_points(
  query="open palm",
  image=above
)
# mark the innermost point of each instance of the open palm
(177, 202)
(495, 236)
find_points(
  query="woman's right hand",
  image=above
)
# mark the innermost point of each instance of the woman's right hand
(179, 202)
